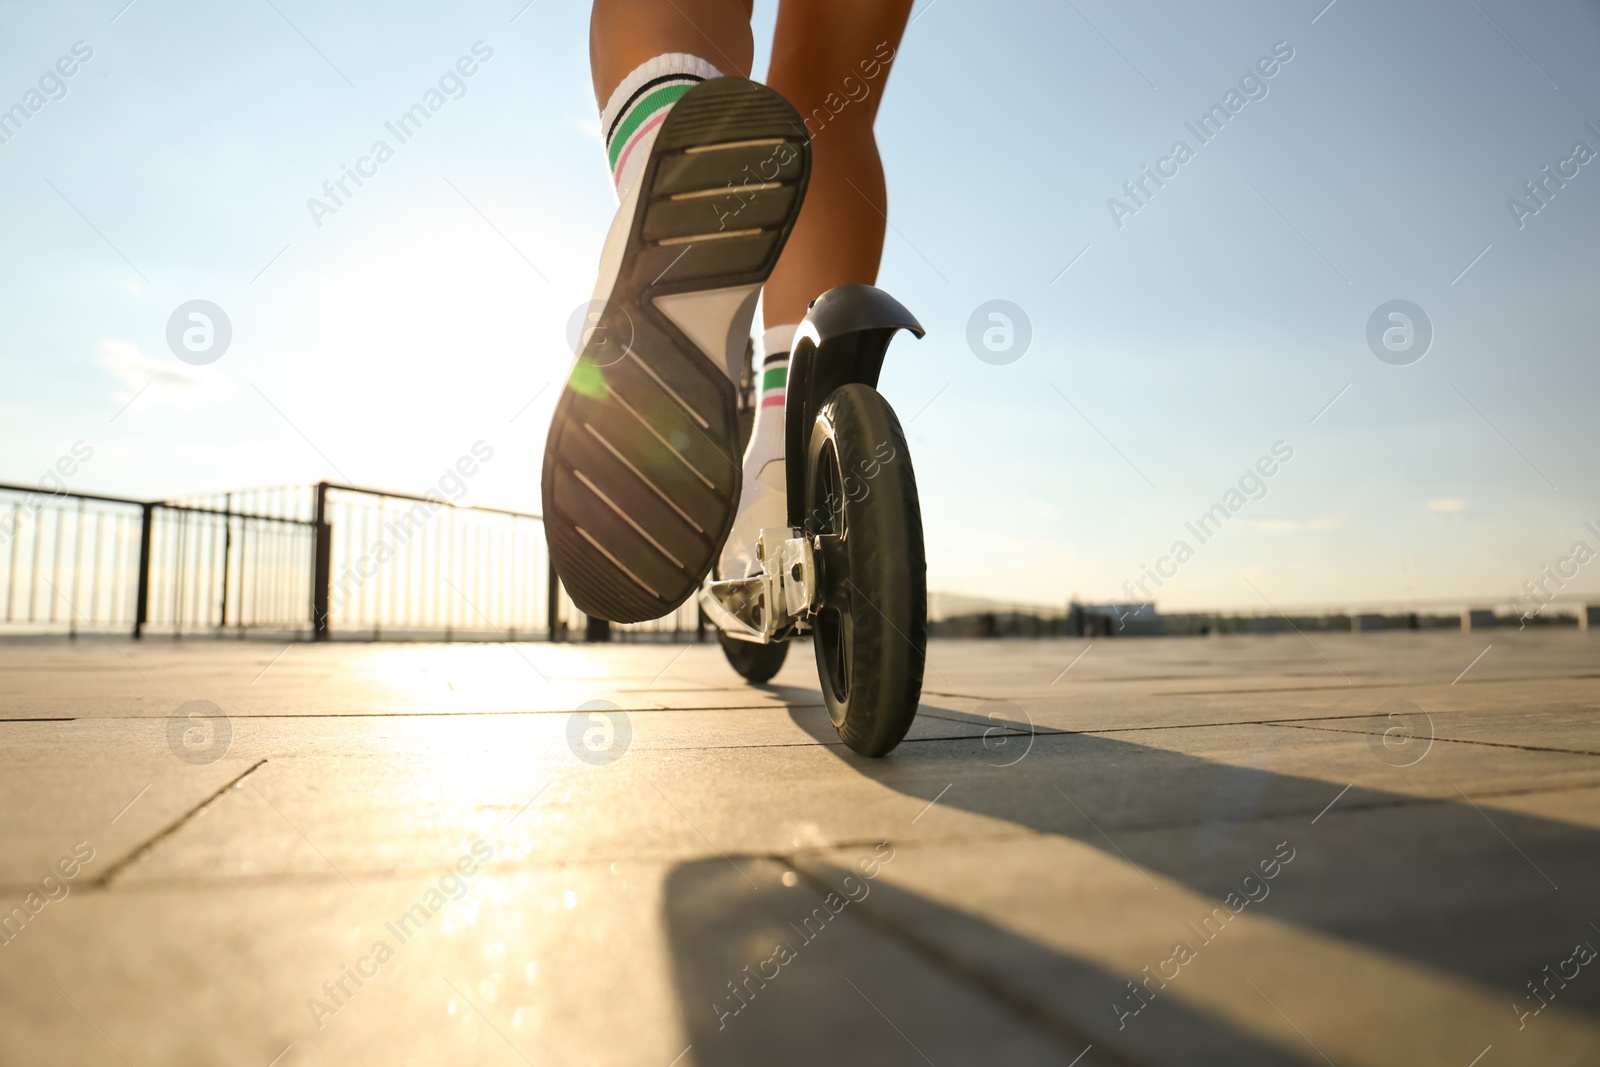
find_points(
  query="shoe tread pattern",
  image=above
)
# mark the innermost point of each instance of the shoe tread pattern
(642, 467)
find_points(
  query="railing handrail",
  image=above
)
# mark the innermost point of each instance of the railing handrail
(229, 514)
(55, 494)
(310, 488)
(42, 491)
(341, 487)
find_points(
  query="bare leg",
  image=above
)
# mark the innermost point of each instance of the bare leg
(818, 54)
(823, 52)
(626, 33)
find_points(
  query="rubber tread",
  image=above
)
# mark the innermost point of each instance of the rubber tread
(631, 440)
(884, 627)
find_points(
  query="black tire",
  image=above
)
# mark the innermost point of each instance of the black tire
(755, 663)
(871, 630)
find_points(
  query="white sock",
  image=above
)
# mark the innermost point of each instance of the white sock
(766, 436)
(764, 501)
(637, 106)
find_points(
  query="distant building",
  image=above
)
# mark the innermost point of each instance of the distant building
(1113, 620)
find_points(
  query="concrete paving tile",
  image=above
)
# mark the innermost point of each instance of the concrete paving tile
(1572, 728)
(1580, 807)
(291, 818)
(620, 963)
(1367, 946)
(563, 967)
(1419, 769)
(1254, 664)
(1074, 710)
(393, 801)
(60, 791)
(135, 678)
(67, 782)
(789, 973)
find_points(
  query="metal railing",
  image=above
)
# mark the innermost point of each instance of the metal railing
(405, 566)
(322, 561)
(66, 567)
(79, 561)
(214, 571)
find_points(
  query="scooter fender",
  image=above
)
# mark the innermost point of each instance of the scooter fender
(842, 340)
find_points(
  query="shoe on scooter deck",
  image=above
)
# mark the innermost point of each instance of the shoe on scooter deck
(642, 468)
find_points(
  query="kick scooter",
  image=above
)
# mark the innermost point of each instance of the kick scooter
(849, 569)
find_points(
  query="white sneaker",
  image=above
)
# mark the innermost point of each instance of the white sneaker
(642, 468)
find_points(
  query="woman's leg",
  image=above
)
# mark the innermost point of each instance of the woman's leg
(623, 34)
(830, 59)
(644, 54)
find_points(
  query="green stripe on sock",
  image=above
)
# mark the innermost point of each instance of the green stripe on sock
(642, 111)
(774, 379)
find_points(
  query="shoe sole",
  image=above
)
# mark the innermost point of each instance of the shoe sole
(642, 468)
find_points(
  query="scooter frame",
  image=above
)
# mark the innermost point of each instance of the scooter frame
(842, 340)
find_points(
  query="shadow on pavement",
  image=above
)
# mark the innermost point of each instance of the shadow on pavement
(851, 987)
(1430, 881)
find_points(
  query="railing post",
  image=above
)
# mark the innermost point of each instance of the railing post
(141, 603)
(227, 552)
(553, 601)
(321, 564)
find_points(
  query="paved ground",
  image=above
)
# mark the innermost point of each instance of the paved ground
(1179, 851)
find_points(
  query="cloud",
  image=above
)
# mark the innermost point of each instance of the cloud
(168, 379)
(1447, 505)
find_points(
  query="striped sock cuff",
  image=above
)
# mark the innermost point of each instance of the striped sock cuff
(774, 379)
(639, 105)
(776, 343)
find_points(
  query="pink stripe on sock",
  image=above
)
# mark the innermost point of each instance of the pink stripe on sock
(622, 160)
(773, 401)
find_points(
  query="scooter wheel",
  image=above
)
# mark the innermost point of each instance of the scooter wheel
(862, 513)
(755, 663)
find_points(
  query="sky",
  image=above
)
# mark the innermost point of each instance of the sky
(1178, 335)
